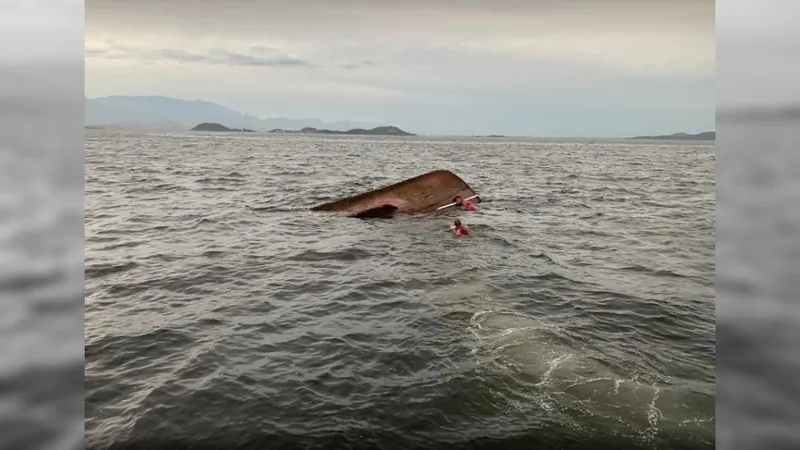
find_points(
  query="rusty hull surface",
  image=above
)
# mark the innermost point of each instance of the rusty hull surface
(420, 194)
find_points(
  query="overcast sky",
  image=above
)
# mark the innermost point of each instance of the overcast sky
(586, 67)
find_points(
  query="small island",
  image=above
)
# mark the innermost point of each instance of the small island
(377, 131)
(207, 126)
(704, 136)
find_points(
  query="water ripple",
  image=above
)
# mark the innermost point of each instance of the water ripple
(220, 311)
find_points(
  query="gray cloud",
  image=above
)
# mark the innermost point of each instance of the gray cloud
(90, 52)
(365, 63)
(238, 59)
(665, 35)
(503, 65)
(263, 57)
(261, 50)
(350, 18)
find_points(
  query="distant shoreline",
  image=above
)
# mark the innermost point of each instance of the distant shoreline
(394, 131)
(704, 136)
(377, 131)
(161, 114)
(208, 126)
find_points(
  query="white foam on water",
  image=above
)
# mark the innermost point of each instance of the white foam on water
(553, 365)
(654, 415)
(567, 379)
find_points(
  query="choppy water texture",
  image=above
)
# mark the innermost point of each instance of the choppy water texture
(219, 311)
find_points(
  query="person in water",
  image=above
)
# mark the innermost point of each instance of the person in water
(459, 229)
(465, 205)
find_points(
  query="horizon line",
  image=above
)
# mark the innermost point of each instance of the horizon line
(424, 135)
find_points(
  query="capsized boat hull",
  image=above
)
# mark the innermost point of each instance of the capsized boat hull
(424, 193)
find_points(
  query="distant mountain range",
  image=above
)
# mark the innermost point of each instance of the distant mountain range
(704, 136)
(166, 113)
(377, 131)
(219, 128)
